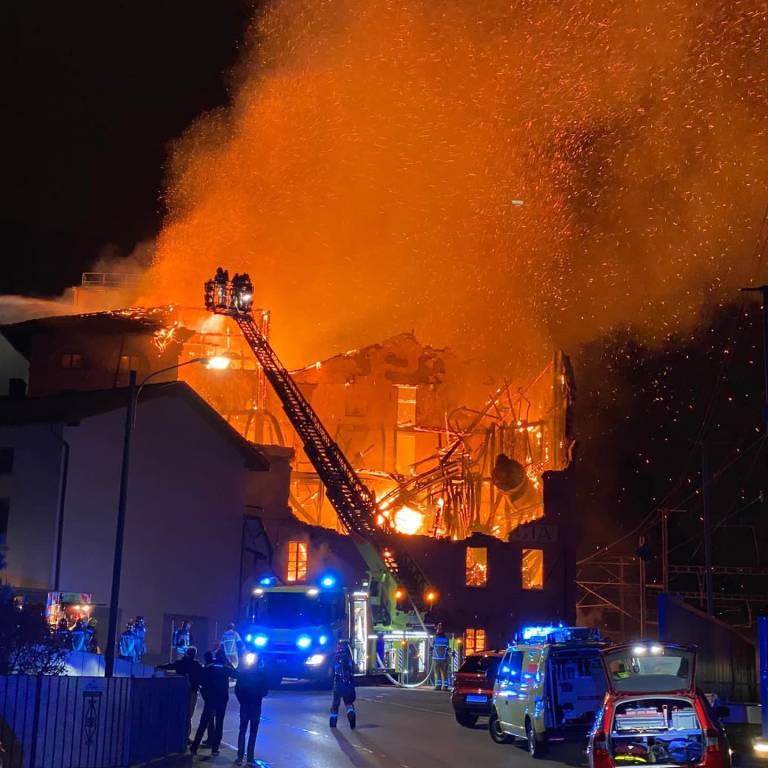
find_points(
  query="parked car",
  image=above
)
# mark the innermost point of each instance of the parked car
(473, 687)
(549, 687)
(653, 713)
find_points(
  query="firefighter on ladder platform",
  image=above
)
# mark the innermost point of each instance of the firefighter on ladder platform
(220, 279)
(241, 296)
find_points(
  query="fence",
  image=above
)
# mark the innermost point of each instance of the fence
(725, 659)
(91, 722)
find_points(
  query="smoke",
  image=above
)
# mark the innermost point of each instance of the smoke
(15, 309)
(369, 171)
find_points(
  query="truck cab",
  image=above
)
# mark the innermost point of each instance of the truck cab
(295, 628)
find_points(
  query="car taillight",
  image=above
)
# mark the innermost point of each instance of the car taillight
(713, 740)
(601, 758)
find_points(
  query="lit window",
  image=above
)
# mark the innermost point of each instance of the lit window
(476, 567)
(297, 561)
(71, 360)
(533, 569)
(406, 405)
(474, 640)
(128, 363)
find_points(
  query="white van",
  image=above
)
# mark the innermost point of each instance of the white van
(549, 687)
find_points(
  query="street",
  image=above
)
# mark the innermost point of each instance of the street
(396, 727)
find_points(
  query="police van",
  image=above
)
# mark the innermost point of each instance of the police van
(549, 687)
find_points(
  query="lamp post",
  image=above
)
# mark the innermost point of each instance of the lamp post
(216, 363)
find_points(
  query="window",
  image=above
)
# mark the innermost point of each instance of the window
(5, 510)
(71, 360)
(474, 640)
(533, 569)
(476, 574)
(128, 363)
(406, 405)
(297, 561)
(6, 461)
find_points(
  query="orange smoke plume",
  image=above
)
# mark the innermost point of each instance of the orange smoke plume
(370, 171)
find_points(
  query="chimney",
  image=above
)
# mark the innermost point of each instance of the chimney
(17, 389)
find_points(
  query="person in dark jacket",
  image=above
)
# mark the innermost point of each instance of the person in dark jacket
(343, 684)
(192, 669)
(215, 689)
(252, 686)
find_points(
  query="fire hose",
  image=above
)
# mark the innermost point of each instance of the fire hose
(389, 677)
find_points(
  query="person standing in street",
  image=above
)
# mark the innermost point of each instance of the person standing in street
(231, 643)
(215, 689)
(440, 658)
(192, 669)
(182, 637)
(140, 630)
(252, 686)
(127, 645)
(343, 684)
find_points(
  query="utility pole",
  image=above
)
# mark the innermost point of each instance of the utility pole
(763, 291)
(642, 588)
(665, 549)
(706, 484)
(117, 562)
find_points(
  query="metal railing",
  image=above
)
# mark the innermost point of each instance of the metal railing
(90, 722)
(108, 279)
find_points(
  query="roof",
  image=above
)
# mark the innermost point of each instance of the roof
(71, 407)
(122, 321)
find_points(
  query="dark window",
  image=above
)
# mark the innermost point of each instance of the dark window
(71, 360)
(481, 663)
(5, 510)
(6, 460)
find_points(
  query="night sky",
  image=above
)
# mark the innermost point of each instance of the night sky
(93, 93)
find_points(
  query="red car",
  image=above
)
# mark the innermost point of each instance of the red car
(473, 687)
(653, 713)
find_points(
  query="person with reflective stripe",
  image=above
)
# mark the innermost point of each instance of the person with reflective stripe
(343, 684)
(440, 658)
(231, 644)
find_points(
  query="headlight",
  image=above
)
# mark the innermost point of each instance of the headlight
(323, 639)
(303, 641)
(260, 641)
(249, 659)
(315, 660)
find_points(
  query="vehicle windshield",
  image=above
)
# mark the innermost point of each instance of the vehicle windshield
(291, 610)
(481, 664)
(650, 669)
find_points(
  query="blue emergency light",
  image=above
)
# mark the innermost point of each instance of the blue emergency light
(323, 639)
(303, 641)
(328, 582)
(260, 641)
(267, 581)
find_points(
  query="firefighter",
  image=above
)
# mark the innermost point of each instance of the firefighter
(93, 638)
(215, 688)
(221, 278)
(182, 637)
(440, 658)
(63, 635)
(80, 636)
(209, 291)
(231, 644)
(252, 686)
(192, 669)
(140, 630)
(127, 645)
(246, 292)
(343, 684)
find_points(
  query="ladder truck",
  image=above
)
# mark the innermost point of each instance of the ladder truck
(393, 574)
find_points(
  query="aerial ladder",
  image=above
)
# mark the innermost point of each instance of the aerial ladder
(353, 501)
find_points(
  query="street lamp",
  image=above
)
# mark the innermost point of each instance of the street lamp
(218, 363)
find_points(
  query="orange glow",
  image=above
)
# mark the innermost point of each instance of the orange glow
(431, 596)
(399, 594)
(408, 521)
(378, 153)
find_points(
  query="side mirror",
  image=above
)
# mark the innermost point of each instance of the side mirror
(722, 712)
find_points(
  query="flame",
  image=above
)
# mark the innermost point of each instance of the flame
(408, 521)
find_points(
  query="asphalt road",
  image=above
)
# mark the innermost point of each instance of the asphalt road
(396, 727)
